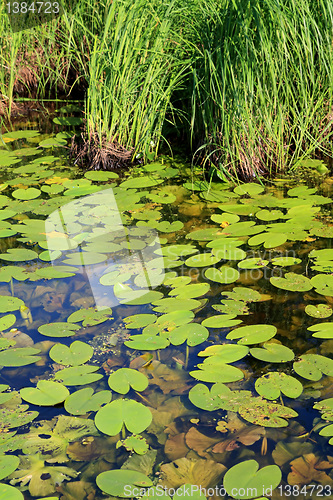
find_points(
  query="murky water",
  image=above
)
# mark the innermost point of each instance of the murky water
(215, 299)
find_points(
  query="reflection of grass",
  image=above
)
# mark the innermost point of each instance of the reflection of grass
(249, 85)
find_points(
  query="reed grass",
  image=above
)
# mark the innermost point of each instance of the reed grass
(249, 83)
(262, 84)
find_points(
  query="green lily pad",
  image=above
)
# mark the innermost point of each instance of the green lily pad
(168, 227)
(269, 215)
(227, 353)
(90, 316)
(78, 375)
(252, 263)
(245, 477)
(323, 284)
(270, 386)
(252, 334)
(138, 444)
(202, 260)
(19, 255)
(111, 418)
(8, 463)
(170, 320)
(234, 307)
(84, 401)
(225, 274)
(245, 228)
(190, 291)
(242, 293)
(7, 214)
(273, 353)
(266, 414)
(206, 399)
(26, 152)
(8, 492)
(193, 333)
(285, 261)
(205, 234)
(141, 182)
(7, 321)
(68, 120)
(19, 356)
(323, 330)
(313, 366)
(21, 134)
(170, 304)
(8, 304)
(52, 189)
(319, 311)
(56, 272)
(137, 321)
(51, 142)
(120, 483)
(326, 407)
(60, 329)
(124, 379)
(26, 194)
(229, 252)
(47, 393)
(225, 218)
(175, 251)
(146, 342)
(240, 209)
(219, 372)
(292, 282)
(250, 188)
(75, 354)
(221, 321)
(270, 240)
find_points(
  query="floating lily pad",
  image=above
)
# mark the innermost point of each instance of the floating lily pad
(319, 311)
(229, 252)
(26, 152)
(68, 120)
(245, 477)
(118, 482)
(123, 379)
(78, 375)
(111, 418)
(21, 134)
(273, 353)
(47, 393)
(270, 240)
(270, 386)
(51, 142)
(19, 255)
(202, 260)
(84, 401)
(206, 399)
(170, 304)
(266, 414)
(323, 330)
(147, 342)
(323, 284)
(193, 333)
(168, 227)
(75, 354)
(221, 321)
(252, 334)
(313, 366)
(227, 353)
(217, 372)
(82, 258)
(240, 209)
(26, 194)
(60, 329)
(205, 234)
(8, 304)
(141, 182)
(8, 492)
(250, 188)
(19, 356)
(190, 291)
(292, 282)
(252, 263)
(90, 316)
(269, 215)
(139, 320)
(242, 293)
(7, 321)
(56, 272)
(175, 251)
(285, 261)
(225, 274)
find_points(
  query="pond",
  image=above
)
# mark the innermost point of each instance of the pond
(161, 335)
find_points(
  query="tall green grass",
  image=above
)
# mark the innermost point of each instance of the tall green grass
(249, 82)
(262, 84)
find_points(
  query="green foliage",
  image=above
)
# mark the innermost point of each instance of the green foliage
(245, 477)
(111, 418)
(114, 482)
(125, 378)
